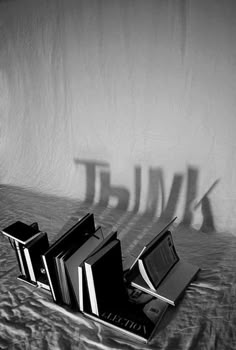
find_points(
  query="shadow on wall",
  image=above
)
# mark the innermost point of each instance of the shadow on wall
(156, 197)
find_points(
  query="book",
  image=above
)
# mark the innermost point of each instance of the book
(33, 251)
(72, 261)
(138, 317)
(84, 301)
(21, 232)
(173, 286)
(74, 237)
(104, 273)
(159, 271)
(152, 242)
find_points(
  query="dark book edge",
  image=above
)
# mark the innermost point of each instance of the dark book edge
(67, 233)
(73, 301)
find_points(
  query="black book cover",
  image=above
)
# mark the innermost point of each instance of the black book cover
(72, 261)
(75, 236)
(104, 273)
(84, 299)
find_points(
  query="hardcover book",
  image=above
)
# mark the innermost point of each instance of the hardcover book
(105, 279)
(84, 301)
(33, 251)
(74, 237)
(70, 262)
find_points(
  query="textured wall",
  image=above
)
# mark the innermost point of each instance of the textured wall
(137, 95)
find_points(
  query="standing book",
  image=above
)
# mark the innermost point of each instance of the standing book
(33, 251)
(84, 300)
(74, 237)
(105, 279)
(72, 261)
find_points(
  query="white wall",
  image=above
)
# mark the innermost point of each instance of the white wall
(129, 83)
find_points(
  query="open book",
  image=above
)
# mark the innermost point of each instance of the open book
(159, 271)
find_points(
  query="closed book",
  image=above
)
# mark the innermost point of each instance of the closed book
(62, 279)
(20, 232)
(33, 251)
(138, 317)
(75, 237)
(72, 261)
(104, 273)
(84, 300)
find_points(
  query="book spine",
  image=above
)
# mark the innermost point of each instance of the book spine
(91, 288)
(65, 289)
(29, 264)
(81, 295)
(49, 278)
(20, 258)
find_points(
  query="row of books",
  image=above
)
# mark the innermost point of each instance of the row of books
(83, 270)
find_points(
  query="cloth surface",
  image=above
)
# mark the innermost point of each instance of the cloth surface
(132, 98)
(205, 317)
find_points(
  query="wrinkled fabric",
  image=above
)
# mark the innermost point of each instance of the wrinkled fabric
(205, 317)
(144, 91)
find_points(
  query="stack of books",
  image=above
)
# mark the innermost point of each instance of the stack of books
(83, 270)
